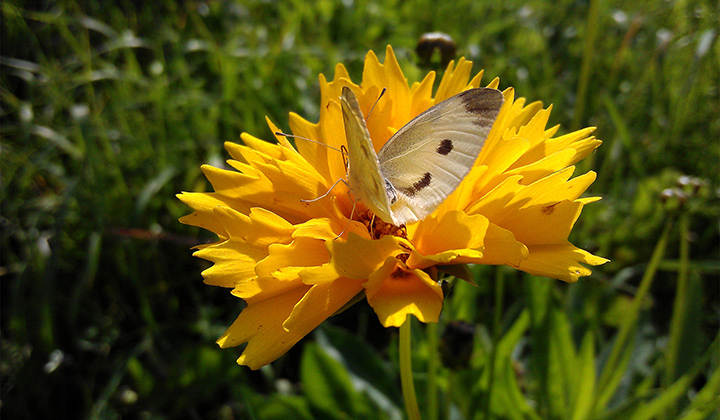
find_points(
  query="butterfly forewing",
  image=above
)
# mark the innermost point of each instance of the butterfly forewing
(428, 158)
(364, 175)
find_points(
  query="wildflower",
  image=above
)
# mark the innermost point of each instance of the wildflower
(278, 252)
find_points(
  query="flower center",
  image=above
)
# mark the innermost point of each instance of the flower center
(379, 228)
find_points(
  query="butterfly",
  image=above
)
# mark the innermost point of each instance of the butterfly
(424, 161)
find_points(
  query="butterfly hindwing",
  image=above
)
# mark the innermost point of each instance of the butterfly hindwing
(428, 158)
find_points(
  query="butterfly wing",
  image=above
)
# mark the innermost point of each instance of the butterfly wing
(428, 158)
(366, 181)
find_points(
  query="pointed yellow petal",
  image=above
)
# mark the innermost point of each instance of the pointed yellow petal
(317, 155)
(506, 152)
(301, 253)
(554, 188)
(234, 263)
(454, 80)
(475, 82)
(561, 262)
(543, 167)
(261, 228)
(421, 95)
(320, 302)
(493, 205)
(542, 224)
(260, 325)
(501, 129)
(203, 217)
(389, 75)
(341, 72)
(520, 114)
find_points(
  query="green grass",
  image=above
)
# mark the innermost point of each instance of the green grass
(109, 109)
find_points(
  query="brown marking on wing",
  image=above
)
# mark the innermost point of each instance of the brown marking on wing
(445, 147)
(417, 186)
(482, 107)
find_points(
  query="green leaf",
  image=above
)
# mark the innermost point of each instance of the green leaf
(151, 188)
(507, 399)
(539, 301)
(463, 302)
(562, 364)
(281, 407)
(328, 386)
(619, 356)
(671, 394)
(369, 373)
(585, 392)
(706, 401)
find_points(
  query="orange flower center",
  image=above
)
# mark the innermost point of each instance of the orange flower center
(377, 227)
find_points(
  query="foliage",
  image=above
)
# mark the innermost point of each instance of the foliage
(108, 110)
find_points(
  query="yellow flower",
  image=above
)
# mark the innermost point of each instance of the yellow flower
(280, 254)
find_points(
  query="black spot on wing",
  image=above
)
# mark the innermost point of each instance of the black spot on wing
(445, 147)
(417, 186)
(482, 103)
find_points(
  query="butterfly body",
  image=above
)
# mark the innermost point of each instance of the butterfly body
(423, 163)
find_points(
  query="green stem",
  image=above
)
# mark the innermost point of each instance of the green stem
(496, 334)
(608, 381)
(591, 29)
(406, 375)
(433, 365)
(680, 307)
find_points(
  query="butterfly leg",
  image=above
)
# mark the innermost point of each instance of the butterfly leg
(352, 212)
(327, 192)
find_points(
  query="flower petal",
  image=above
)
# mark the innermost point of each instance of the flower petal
(260, 228)
(542, 224)
(454, 80)
(320, 302)
(234, 263)
(394, 291)
(356, 258)
(284, 262)
(260, 325)
(389, 75)
(442, 236)
(559, 262)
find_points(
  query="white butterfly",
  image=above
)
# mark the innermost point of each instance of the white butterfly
(424, 161)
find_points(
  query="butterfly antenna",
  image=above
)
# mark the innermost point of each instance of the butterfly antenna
(280, 133)
(376, 102)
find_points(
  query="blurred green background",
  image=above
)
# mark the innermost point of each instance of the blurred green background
(110, 108)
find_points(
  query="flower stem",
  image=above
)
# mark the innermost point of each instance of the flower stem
(496, 335)
(433, 365)
(680, 311)
(609, 381)
(406, 375)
